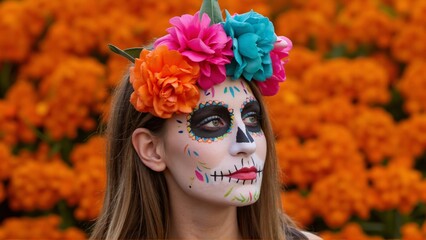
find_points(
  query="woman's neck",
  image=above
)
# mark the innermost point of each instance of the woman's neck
(192, 218)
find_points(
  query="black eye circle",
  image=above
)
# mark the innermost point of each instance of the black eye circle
(210, 121)
(251, 115)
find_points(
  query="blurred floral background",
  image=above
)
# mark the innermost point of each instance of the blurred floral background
(350, 119)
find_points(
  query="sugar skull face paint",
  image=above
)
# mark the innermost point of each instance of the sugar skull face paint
(210, 121)
(217, 153)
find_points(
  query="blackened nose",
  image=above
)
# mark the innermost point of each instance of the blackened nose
(244, 137)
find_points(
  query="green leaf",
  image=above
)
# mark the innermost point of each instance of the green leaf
(211, 7)
(134, 52)
(130, 53)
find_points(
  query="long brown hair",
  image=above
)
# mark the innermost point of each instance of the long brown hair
(136, 204)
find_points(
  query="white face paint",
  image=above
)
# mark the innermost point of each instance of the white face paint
(217, 153)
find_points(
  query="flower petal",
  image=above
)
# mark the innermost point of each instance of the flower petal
(247, 42)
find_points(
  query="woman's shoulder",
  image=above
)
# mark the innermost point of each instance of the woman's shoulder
(297, 234)
(311, 236)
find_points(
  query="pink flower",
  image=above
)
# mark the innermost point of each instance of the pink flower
(207, 45)
(281, 48)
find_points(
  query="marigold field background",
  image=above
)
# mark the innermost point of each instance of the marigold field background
(350, 119)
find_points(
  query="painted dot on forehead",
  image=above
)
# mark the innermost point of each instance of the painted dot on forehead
(210, 121)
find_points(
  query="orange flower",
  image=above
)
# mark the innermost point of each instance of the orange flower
(363, 80)
(358, 23)
(296, 206)
(411, 231)
(333, 150)
(395, 187)
(412, 85)
(411, 137)
(339, 196)
(40, 186)
(316, 28)
(89, 163)
(352, 231)
(46, 227)
(408, 45)
(375, 133)
(306, 58)
(164, 83)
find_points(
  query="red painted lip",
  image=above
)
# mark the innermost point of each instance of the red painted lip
(244, 174)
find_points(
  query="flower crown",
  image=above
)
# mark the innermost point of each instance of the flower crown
(200, 51)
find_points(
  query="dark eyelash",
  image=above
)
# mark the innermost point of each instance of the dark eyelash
(250, 114)
(207, 120)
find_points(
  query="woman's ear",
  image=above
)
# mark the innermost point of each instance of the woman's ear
(149, 148)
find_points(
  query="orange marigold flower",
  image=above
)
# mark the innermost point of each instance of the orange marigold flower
(412, 231)
(358, 23)
(424, 228)
(408, 45)
(95, 146)
(351, 231)
(296, 206)
(14, 15)
(342, 77)
(261, 7)
(404, 7)
(70, 103)
(412, 140)
(115, 68)
(40, 185)
(417, 10)
(304, 59)
(38, 228)
(375, 133)
(395, 187)
(402, 161)
(339, 196)
(164, 83)
(412, 85)
(327, 8)
(24, 96)
(333, 150)
(316, 28)
(337, 110)
(389, 64)
(298, 118)
(90, 167)
(91, 180)
(41, 64)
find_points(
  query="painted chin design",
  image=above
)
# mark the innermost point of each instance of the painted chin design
(247, 174)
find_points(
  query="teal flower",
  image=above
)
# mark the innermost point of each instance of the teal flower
(253, 39)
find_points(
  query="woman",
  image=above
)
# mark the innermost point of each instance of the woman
(192, 156)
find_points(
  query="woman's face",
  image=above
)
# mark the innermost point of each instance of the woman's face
(217, 152)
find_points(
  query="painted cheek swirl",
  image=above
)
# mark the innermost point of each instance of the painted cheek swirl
(251, 115)
(210, 121)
